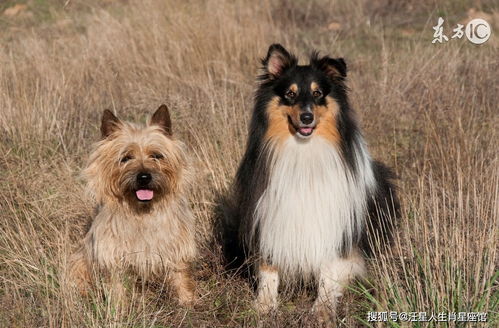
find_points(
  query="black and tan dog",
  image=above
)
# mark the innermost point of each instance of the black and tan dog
(307, 190)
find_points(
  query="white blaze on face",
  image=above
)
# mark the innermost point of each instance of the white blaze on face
(312, 202)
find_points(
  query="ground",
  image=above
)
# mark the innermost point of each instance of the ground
(428, 110)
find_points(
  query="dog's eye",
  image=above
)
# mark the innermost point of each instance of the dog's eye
(125, 159)
(157, 156)
(290, 94)
(317, 94)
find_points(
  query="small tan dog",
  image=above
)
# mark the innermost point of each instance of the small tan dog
(144, 224)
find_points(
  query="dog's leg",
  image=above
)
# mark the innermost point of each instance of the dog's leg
(117, 291)
(268, 284)
(184, 285)
(79, 272)
(334, 276)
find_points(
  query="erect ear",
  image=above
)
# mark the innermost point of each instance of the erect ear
(335, 68)
(278, 60)
(162, 118)
(109, 123)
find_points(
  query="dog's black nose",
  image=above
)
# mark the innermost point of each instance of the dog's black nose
(144, 178)
(307, 118)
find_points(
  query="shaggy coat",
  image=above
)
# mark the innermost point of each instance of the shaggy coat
(144, 226)
(308, 199)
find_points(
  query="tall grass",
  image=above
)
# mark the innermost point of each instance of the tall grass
(429, 111)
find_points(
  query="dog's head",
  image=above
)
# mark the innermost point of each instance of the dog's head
(140, 166)
(302, 100)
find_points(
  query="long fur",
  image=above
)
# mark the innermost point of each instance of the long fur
(151, 242)
(154, 239)
(313, 207)
(296, 204)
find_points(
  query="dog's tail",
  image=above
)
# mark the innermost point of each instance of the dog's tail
(383, 211)
(227, 232)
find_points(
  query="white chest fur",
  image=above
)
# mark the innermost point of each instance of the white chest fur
(312, 204)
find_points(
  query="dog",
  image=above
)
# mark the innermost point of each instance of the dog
(308, 199)
(139, 177)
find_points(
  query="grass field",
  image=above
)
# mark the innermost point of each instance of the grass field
(428, 110)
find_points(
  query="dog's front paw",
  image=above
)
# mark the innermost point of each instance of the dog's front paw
(265, 304)
(325, 312)
(185, 287)
(187, 299)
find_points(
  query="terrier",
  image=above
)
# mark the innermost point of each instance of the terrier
(143, 223)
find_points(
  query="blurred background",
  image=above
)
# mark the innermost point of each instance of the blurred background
(429, 110)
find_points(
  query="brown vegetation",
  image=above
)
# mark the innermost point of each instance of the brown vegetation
(428, 110)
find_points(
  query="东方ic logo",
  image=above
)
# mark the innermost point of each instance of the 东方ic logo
(477, 31)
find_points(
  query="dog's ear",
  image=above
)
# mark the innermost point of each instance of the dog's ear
(335, 68)
(277, 61)
(162, 118)
(109, 123)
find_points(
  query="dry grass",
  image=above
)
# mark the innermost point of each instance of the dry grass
(430, 111)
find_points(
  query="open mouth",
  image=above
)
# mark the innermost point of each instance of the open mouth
(144, 195)
(303, 131)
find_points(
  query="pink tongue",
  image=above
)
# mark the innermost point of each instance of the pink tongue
(305, 130)
(144, 194)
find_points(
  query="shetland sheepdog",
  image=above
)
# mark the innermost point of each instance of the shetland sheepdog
(308, 198)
